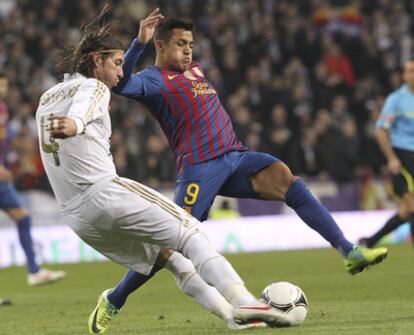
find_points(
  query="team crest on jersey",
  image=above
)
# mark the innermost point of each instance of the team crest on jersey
(189, 75)
(198, 72)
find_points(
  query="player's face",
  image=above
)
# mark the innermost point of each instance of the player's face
(178, 51)
(408, 74)
(4, 85)
(109, 70)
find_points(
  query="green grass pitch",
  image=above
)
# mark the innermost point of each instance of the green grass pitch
(378, 301)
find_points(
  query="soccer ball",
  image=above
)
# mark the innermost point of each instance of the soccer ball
(287, 298)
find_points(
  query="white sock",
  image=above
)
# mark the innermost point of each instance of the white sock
(238, 295)
(216, 270)
(190, 282)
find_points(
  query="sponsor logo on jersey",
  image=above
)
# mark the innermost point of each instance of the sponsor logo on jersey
(202, 88)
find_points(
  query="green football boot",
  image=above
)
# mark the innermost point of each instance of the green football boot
(360, 258)
(102, 315)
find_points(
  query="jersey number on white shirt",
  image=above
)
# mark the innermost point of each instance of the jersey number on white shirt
(53, 146)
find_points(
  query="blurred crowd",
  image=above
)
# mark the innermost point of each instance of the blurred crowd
(302, 80)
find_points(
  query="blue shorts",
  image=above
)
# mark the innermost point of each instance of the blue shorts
(9, 198)
(228, 175)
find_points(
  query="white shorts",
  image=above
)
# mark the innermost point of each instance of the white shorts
(129, 223)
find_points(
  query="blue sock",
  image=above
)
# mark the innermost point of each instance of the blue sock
(25, 237)
(316, 216)
(128, 284)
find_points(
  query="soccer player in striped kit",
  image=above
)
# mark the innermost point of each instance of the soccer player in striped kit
(210, 160)
(125, 221)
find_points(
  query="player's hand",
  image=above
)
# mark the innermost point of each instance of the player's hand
(61, 126)
(147, 26)
(5, 175)
(394, 165)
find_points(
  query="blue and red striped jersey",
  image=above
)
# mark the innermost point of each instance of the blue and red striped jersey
(186, 105)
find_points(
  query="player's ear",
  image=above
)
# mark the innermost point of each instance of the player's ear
(96, 59)
(159, 45)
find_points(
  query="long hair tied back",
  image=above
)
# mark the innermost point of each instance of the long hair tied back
(96, 37)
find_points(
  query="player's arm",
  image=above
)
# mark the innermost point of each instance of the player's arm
(88, 104)
(134, 84)
(383, 126)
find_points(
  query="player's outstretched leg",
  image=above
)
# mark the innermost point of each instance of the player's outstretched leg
(316, 216)
(276, 182)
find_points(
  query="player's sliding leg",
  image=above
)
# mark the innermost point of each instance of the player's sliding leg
(187, 279)
(193, 285)
(218, 272)
(190, 282)
(277, 182)
(132, 280)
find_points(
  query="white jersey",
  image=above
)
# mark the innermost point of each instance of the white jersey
(75, 163)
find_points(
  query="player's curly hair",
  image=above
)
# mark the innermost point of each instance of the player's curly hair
(96, 38)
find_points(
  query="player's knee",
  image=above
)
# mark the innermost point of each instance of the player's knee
(17, 213)
(197, 248)
(274, 181)
(284, 179)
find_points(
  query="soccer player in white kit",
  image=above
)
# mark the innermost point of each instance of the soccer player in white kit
(125, 221)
